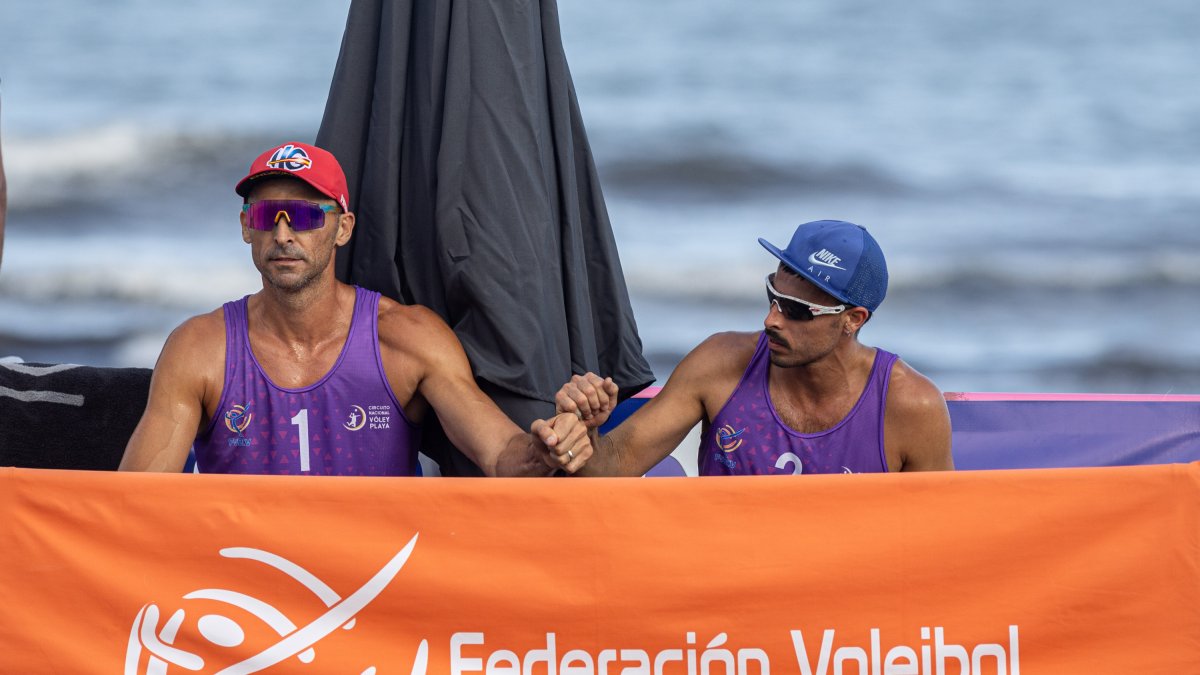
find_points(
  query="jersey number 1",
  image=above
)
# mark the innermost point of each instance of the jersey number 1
(301, 420)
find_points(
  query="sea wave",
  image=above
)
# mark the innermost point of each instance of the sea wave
(712, 172)
(98, 167)
(717, 175)
(182, 274)
(122, 161)
(985, 275)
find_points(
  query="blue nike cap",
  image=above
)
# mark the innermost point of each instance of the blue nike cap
(841, 258)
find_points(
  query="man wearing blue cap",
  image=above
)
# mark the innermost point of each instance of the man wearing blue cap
(801, 396)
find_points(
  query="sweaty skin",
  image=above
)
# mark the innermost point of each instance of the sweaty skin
(818, 371)
(299, 322)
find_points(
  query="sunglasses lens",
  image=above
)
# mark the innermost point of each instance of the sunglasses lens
(299, 215)
(793, 311)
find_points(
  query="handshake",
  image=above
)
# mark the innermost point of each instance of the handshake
(582, 405)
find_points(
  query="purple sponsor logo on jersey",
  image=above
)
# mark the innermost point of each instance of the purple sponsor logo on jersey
(720, 458)
(237, 419)
(728, 439)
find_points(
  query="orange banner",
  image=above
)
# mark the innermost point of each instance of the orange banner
(1010, 572)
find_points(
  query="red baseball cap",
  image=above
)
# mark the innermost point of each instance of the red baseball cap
(317, 167)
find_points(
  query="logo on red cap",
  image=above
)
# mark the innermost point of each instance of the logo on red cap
(290, 158)
(313, 165)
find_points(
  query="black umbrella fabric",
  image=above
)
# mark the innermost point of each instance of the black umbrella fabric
(458, 127)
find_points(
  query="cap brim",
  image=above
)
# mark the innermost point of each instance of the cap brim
(243, 187)
(778, 253)
(798, 268)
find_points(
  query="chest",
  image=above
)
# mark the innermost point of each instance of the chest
(294, 365)
(808, 415)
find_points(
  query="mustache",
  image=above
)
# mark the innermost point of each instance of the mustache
(285, 252)
(775, 337)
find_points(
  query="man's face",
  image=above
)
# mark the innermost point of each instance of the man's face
(795, 343)
(289, 260)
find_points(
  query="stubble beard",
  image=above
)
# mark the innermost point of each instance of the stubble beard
(791, 357)
(785, 360)
(291, 282)
(788, 361)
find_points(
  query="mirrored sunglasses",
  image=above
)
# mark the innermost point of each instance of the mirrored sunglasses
(795, 308)
(299, 214)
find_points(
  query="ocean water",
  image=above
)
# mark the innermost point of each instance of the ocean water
(1031, 169)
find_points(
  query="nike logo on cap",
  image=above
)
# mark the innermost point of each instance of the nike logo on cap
(825, 259)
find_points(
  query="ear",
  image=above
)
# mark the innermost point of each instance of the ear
(345, 229)
(245, 228)
(854, 319)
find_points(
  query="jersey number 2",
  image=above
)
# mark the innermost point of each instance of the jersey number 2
(790, 458)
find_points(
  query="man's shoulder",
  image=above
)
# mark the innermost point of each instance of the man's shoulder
(721, 356)
(399, 321)
(414, 331)
(709, 373)
(196, 348)
(910, 391)
(728, 347)
(917, 422)
(203, 330)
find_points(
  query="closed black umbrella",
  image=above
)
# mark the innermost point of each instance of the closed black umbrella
(458, 127)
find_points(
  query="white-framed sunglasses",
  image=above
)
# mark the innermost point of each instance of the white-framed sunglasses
(795, 308)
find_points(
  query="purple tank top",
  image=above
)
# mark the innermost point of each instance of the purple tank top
(747, 437)
(348, 423)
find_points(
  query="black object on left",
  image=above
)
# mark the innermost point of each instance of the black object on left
(63, 416)
(460, 134)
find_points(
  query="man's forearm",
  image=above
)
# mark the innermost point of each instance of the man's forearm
(520, 458)
(140, 457)
(605, 459)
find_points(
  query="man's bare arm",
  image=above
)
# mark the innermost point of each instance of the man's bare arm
(175, 408)
(657, 428)
(471, 420)
(917, 423)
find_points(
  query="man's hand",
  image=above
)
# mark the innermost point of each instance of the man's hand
(590, 398)
(563, 442)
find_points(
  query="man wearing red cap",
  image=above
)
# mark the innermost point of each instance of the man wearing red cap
(314, 376)
(801, 396)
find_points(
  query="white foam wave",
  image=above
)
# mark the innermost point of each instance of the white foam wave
(37, 168)
(121, 161)
(725, 281)
(193, 275)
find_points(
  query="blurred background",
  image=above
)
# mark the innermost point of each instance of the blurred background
(1031, 169)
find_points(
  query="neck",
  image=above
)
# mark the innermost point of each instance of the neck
(835, 373)
(307, 315)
